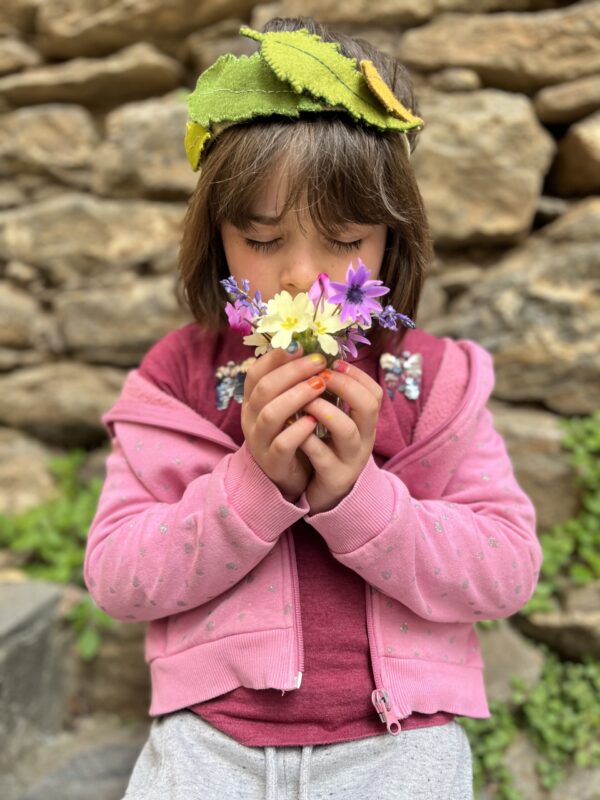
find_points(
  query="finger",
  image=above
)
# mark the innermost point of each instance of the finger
(345, 437)
(265, 364)
(341, 367)
(276, 382)
(295, 432)
(272, 417)
(361, 395)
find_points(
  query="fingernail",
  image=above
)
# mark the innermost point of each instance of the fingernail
(292, 347)
(317, 358)
(325, 375)
(341, 366)
(316, 382)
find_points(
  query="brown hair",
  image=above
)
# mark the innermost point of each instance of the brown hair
(346, 172)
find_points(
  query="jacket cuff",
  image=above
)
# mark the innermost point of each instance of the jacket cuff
(257, 500)
(365, 511)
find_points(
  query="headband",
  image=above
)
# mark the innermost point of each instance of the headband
(292, 72)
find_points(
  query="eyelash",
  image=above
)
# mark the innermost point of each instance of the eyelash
(342, 247)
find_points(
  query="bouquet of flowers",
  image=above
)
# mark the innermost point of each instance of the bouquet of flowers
(330, 318)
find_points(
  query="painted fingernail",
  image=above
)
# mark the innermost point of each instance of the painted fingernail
(341, 366)
(318, 358)
(316, 382)
(325, 375)
(292, 347)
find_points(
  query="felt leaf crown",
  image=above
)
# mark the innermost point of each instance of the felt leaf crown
(293, 72)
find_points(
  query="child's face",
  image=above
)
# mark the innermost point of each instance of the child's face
(280, 255)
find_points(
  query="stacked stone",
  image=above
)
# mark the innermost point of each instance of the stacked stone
(94, 184)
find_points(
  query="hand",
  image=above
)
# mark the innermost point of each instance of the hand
(276, 388)
(339, 460)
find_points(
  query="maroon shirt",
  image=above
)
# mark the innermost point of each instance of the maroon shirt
(333, 703)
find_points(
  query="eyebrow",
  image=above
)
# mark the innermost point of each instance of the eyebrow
(264, 219)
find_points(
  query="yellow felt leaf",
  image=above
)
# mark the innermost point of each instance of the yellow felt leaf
(196, 138)
(385, 95)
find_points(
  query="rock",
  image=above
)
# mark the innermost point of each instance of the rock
(573, 627)
(91, 760)
(58, 140)
(60, 403)
(117, 680)
(533, 439)
(456, 281)
(18, 317)
(25, 480)
(432, 303)
(76, 237)
(262, 13)
(520, 759)
(143, 154)
(456, 79)
(398, 12)
(17, 16)
(573, 635)
(137, 72)
(32, 698)
(204, 47)
(68, 28)
(507, 654)
(583, 598)
(579, 784)
(576, 170)
(11, 194)
(10, 359)
(538, 313)
(568, 102)
(550, 208)
(118, 325)
(494, 178)
(517, 52)
(15, 56)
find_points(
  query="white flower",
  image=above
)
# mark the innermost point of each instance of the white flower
(258, 339)
(285, 316)
(327, 322)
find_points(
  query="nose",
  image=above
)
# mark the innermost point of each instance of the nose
(300, 272)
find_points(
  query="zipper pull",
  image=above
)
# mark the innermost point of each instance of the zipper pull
(381, 701)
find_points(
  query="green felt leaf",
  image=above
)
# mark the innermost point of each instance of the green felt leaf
(311, 65)
(238, 89)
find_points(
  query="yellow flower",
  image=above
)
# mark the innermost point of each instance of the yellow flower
(257, 339)
(327, 322)
(285, 316)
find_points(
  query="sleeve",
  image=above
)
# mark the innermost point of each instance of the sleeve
(471, 554)
(147, 559)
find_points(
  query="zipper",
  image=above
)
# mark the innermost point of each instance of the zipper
(298, 618)
(380, 695)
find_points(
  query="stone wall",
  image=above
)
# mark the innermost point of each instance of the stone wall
(94, 184)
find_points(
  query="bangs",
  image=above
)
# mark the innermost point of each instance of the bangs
(335, 170)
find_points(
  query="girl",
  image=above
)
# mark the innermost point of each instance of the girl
(310, 601)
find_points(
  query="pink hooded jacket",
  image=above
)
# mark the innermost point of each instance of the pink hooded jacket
(441, 534)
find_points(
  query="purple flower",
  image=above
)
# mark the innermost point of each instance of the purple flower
(389, 318)
(239, 316)
(356, 295)
(349, 345)
(321, 290)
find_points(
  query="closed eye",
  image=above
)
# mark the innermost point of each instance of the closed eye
(265, 247)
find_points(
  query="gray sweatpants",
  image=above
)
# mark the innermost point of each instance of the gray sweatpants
(186, 758)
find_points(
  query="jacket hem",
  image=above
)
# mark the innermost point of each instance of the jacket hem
(430, 686)
(259, 660)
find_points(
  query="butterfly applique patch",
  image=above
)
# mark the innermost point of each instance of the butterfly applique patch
(402, 373)
(230, 382)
